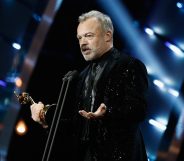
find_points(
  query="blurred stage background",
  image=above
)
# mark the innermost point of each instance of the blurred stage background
(38, 45)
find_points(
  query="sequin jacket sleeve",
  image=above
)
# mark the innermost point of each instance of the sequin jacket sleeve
(125, 92)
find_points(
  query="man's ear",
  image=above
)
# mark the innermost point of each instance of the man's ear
(108, 36)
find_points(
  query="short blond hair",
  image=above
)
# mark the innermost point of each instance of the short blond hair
(104, 19)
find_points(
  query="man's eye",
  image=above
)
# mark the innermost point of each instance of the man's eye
(78, 37)
(89, 36)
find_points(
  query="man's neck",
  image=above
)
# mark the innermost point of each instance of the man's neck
(103, 56)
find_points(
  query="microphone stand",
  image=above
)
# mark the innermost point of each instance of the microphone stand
(57, 114)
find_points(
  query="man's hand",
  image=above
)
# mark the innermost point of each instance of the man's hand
(94, 115)
(35, 111)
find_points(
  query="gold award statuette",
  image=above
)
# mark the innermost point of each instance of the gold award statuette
(24, 98)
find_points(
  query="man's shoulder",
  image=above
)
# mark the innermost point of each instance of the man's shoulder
(123, 58)
(126, 60)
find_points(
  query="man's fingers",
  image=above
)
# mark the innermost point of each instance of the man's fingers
(101, 110)
(91, 115)
(84, 114)
(97, 114)
(103, 106)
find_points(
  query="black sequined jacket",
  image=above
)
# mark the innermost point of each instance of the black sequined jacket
(116, 136)
(122, 87)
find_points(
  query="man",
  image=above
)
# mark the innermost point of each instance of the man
(109, 96)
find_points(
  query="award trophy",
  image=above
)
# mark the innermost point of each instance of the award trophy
(25, 98)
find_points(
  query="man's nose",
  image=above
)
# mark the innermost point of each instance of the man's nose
(83, 41)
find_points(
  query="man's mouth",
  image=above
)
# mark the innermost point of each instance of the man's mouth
(86, 50)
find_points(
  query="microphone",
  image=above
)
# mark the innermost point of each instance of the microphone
(71, 75)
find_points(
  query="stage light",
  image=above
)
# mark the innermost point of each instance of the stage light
(159, 84)
(149, 31)
(2, 83)
(21, 127)
(16, 46)
(18, 81)
(177, 51)
(173, 92)
(179, 5)
(157, 124)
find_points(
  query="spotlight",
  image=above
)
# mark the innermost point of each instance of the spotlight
(21, 128)
(159, 84)
(149, 31)
(179, 5)
(157, 124)
(173, 92)
(18, 81)
(16, 46)
(177, 51)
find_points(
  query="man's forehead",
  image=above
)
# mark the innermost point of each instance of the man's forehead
(88, 26)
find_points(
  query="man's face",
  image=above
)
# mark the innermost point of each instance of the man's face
(91, 39)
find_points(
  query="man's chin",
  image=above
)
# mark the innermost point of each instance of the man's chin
(87, 58)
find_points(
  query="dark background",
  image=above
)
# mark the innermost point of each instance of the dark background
(60, 53)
